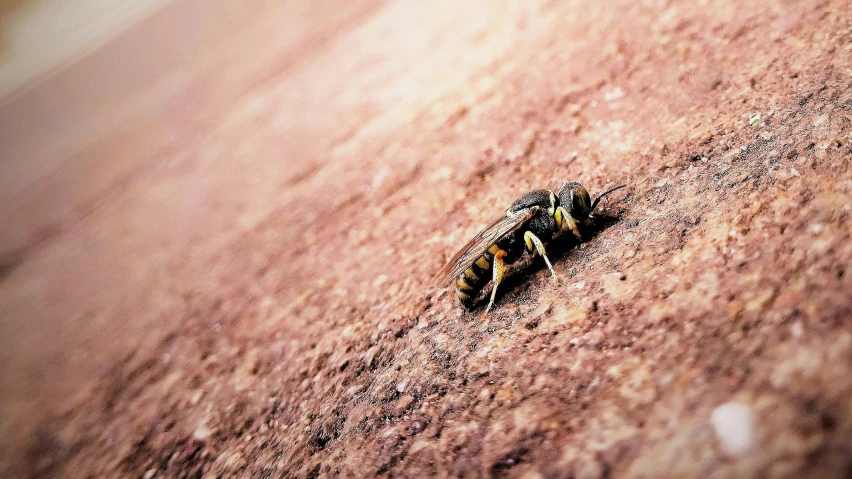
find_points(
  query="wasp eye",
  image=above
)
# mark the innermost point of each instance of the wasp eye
(575, 199)
(582, 203)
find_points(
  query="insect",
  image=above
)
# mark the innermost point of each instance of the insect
(533, 219)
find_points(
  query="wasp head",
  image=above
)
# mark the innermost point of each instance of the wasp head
(575, 199)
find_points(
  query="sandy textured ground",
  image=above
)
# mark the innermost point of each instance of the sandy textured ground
(219, 260)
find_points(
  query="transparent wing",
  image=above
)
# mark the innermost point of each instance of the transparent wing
(481, 242)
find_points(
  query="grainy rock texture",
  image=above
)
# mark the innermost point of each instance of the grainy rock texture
(233, 275)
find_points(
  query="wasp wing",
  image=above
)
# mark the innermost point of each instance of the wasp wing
(481, 242)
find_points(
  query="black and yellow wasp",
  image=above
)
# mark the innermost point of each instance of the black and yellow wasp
(533, 219)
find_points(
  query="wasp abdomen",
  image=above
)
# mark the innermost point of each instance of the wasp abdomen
(471, 282)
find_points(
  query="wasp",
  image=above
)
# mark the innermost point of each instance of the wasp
(533, 220)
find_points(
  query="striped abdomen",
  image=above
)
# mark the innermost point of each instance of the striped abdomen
(471, 282)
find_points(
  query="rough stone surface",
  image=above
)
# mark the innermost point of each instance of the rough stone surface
(225, 265)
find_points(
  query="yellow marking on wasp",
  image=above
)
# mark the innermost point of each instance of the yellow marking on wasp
(559, 216)
(462, 295)
(528, 240)
(483, 263)
(498, 276)
(532, 241)
(494, 249)
(462, 284)
(552, 203)
(470, 274)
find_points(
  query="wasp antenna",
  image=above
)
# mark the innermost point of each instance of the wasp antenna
(614, 188)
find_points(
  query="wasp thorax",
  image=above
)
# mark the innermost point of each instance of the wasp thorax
(575, 199)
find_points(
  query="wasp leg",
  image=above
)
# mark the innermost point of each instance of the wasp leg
(565, 221)
(532, 241)
(498, 276)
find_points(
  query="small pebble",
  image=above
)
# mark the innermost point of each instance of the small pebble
(202, 432)
(734, 426)
(797, 330)
(400, 387)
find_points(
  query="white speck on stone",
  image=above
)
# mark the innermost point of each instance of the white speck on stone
(797, 330)
(574, 341)
(734, 426)
(149, 474)
(614, 94)
(202, 432)
(418, 446)
(380, 177)
(445, 173)
(400, 387)
(595, 383)
(380, 280)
